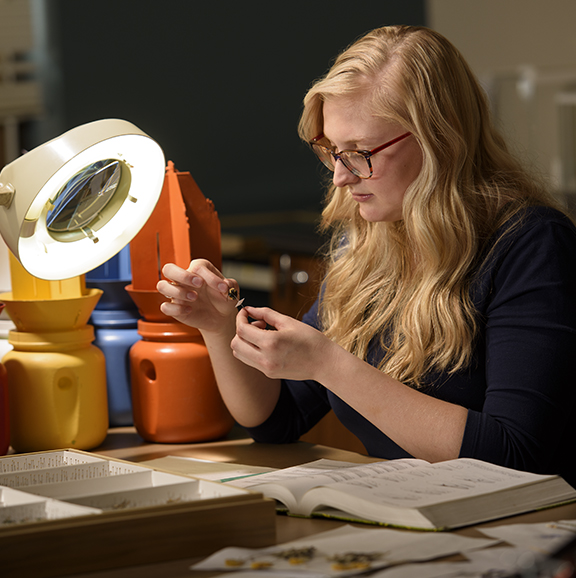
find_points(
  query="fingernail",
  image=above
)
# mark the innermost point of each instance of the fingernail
(222, 287)
(196, 281)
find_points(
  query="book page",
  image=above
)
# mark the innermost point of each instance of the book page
(299, 479)
(333, 470)
(434, 483)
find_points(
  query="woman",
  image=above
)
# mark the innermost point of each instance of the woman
(446, 325)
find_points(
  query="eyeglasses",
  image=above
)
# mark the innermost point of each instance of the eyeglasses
(356, 161)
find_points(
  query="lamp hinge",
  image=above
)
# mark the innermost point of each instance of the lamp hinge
(6, 194)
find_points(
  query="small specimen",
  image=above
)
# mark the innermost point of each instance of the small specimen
(233, 294)
(354, 560)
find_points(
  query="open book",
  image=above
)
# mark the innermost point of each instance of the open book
(410, 493)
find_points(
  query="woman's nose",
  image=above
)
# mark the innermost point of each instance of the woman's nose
(342, 176)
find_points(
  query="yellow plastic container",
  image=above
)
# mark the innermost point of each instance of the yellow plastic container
(50, 315)
(57, 390)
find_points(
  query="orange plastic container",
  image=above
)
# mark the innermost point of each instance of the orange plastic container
(174, 393)
(183, 226)
(175, 398)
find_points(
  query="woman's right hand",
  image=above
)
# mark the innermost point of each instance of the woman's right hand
(198, 296)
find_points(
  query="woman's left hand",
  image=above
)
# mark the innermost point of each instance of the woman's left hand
(277, 345)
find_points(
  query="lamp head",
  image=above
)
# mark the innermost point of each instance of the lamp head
(72, 203)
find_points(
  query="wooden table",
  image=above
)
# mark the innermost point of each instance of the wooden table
(126, 444)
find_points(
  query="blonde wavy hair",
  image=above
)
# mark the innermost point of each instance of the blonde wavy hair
(407, 283)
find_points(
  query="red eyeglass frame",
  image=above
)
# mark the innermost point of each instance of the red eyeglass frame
(365, 153)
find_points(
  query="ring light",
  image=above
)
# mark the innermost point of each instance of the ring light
(72, 203)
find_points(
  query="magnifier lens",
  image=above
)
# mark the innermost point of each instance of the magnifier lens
(84, 196)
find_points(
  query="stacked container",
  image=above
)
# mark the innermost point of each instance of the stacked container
(115, 322)
(56, 376)
(174, 393)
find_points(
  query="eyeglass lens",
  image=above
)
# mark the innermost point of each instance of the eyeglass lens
(354, 162)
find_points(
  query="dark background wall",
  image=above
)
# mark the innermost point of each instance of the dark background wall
(219, 85)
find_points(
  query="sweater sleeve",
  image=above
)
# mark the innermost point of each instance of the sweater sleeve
(302, 404)
(530, 362)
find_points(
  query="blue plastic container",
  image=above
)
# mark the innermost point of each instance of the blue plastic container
(116, 331)
(117, 268)
(115, 321)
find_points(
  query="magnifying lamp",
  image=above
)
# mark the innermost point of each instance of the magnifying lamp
(72, 203)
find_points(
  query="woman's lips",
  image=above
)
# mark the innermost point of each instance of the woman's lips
(360, 198)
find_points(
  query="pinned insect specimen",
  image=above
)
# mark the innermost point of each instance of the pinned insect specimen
(233, 294)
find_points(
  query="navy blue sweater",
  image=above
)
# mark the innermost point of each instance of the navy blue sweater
(520, 390)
